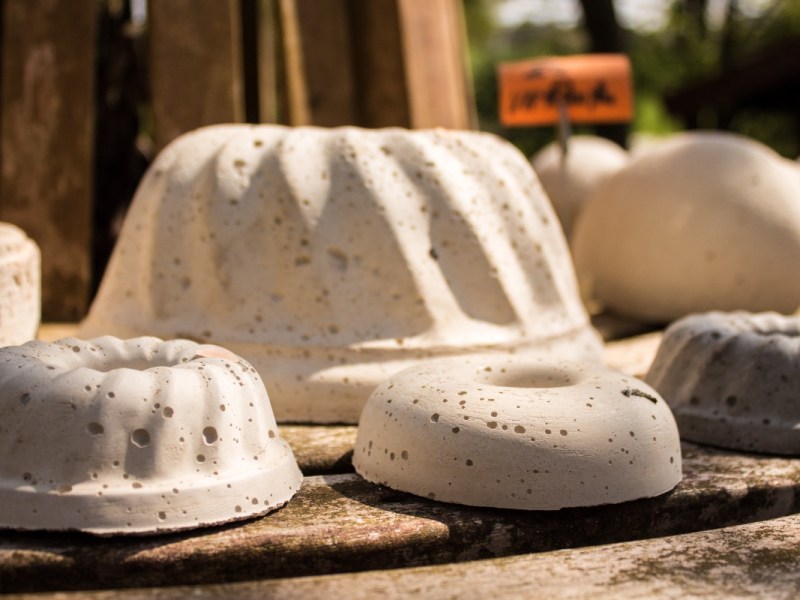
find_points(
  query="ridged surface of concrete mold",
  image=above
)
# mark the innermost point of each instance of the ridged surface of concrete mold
(733, 380)
(137, 436)
(331, 259)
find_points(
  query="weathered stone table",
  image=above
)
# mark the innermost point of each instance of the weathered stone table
(382, 541)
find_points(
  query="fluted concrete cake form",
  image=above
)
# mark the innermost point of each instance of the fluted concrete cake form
(733, 379)
(332, 258)
(136, 436)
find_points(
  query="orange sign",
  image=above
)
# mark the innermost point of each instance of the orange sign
(592, 88)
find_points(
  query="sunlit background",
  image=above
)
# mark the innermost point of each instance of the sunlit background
(674, 45)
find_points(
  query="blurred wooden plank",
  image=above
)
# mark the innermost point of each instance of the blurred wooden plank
(378, 55)
(327, 62)
(47, 139)
(195, 65)
(411, 64)
(295, 85)
(269, 69)
(759, 560)
(435, 58)
(340, 523)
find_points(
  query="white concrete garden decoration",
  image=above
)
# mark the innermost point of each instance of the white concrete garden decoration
(333, 258)
(136, 436)
(518, 432)
(570, 180)
(20, 286)
(705, 221)
(733, 380)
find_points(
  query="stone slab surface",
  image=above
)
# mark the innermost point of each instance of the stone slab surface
(760, 560)
(340, 523)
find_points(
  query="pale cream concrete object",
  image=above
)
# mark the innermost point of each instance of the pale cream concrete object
(640, 143)
(518, 432)
(707, 221)
(137, 436)
(733, 379)
(20, 286)
(333, 258)
(569, 181)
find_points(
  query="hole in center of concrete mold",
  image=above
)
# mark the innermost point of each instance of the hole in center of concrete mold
(531, 378)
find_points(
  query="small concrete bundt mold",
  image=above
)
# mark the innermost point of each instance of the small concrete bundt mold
(333, 258)
(20, 287)
(733, 380)
(136, 436)
(704, 221)
(570, 180)
(520, 433)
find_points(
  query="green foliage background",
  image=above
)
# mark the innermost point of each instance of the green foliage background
(686, 50)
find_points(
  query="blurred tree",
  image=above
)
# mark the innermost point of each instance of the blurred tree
(690, 47)
(606, 36)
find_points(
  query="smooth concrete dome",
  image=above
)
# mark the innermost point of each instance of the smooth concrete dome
(136, 436)
(705, 221)
(569, 179)
(332, 258)
(733, 379)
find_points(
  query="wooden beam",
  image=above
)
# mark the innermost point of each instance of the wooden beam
(47, 139)
(435, 57)
(411, 64)
(296, 109)
(195, 63)
(380, 70)
(327, 57)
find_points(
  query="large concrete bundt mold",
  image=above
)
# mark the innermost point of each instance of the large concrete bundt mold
(705, 221)
(20, 287)
(570, 180)
(331, 259)
(733, 380)
(133, 437)
(522, 433)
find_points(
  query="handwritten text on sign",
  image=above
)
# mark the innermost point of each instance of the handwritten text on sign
(593, 88)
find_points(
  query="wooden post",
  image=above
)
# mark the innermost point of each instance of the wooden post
(411, 62)
(327, 62)
(47, 133)
(378, 51)
(434, 51)
(195, 65)
(295, 86)
(377, 63)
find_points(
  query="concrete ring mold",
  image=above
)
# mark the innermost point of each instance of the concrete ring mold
(524, 433)
(136, 436)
